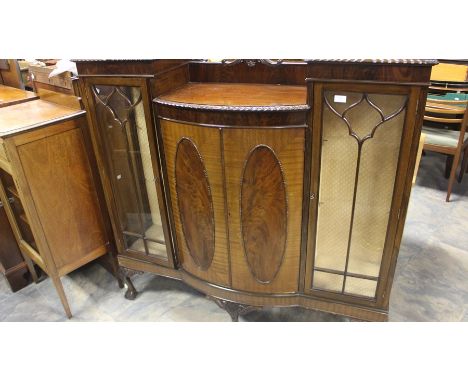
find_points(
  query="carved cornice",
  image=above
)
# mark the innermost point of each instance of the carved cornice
(253, 61)
(374, 61)
(240, 108)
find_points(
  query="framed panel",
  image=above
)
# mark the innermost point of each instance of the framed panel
(59, 162)
(264, 182)
(195, 178)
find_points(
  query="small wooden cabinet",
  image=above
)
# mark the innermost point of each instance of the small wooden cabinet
(277, 183)
(47, 188)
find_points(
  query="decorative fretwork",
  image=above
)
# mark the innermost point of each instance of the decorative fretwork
(364, 98)
(360, 139)
(117, 91)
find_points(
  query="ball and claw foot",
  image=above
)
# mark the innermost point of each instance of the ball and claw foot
(131, 292)
(126, 273)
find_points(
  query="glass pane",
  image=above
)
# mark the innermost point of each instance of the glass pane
(18, 210)
(328, 281)
(361, 137)
(156, 249)
(134, 243)
(379, 160)
(122, 123)
(360, 287)
(337, 172)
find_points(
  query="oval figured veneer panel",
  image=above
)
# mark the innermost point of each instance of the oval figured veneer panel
(195, 203)
(263, 213)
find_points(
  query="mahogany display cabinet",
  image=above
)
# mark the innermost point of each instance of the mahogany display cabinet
(260, 182)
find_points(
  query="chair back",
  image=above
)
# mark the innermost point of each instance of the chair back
(443, 112)
(437, 88)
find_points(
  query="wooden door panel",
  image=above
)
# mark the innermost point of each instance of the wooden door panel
(195, 173)
(58, 173)
(264, 183)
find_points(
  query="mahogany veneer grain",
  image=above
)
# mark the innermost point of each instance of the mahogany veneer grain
(237, 94)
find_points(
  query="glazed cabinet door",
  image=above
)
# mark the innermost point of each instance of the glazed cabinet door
(125, 143)
(10, 192)
(360, 165)
(264, 182)
(195, 174)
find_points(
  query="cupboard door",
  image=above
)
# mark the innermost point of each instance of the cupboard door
(195, 173)
(264, 182)
(58, 175)
(126, 142)
(359, 165)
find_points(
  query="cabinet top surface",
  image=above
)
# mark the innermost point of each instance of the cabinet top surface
(9, 95)
(236, 95)
(29, 115)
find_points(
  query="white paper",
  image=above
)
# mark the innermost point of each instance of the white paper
(340, 98)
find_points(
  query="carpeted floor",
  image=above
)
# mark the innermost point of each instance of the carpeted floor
(431, 281)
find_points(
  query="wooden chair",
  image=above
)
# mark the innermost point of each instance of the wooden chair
(448, 89)
(418, 156)
(445, 123)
